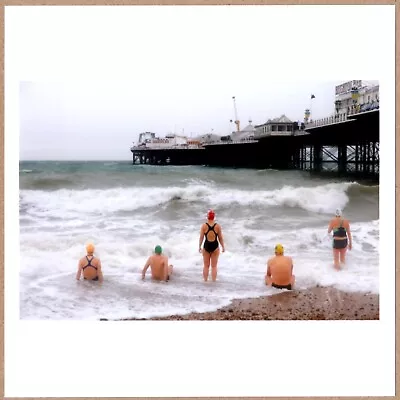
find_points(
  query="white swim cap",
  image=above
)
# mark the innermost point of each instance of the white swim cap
(338, 212)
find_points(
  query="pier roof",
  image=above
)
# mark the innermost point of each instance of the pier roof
(248, 128)
(282, 119)
(208, 137)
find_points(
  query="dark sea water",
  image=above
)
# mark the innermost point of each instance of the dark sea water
(127, 209)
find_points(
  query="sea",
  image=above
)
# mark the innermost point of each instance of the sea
(125, 210)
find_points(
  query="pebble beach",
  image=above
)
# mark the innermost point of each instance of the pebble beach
(319, 303)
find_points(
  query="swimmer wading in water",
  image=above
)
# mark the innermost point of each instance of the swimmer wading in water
(158, 262)
(280, 270)
(211, 233)
(342, 238)
(90, 266)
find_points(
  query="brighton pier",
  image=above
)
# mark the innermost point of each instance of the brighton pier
(345, 144)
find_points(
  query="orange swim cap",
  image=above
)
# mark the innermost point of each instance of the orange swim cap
(210, 214)
(90, 248)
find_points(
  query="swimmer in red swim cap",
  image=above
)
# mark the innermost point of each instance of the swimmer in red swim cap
(212, 233)
(210, 215)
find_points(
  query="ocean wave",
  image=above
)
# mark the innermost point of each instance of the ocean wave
(50, 183)
(322, 199)
(357, 190)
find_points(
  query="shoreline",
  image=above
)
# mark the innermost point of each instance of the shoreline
(318, 303)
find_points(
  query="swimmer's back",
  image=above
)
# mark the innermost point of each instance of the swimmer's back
(336, 224)
(158, 263)
(90, 266)
(281, 268)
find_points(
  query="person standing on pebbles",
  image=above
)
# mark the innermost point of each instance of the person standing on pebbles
(211, 233)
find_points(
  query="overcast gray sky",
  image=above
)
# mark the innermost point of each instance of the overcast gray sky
(92, 78)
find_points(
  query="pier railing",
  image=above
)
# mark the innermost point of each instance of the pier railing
(363, 108)
(273, 133)
(343, 117)
(334, 119)
(241, 141)
(163, 147)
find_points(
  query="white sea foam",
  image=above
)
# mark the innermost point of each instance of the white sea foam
(320, 199)
(49, 290)
(126, 223)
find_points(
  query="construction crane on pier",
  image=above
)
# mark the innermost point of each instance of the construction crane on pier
(237, 122)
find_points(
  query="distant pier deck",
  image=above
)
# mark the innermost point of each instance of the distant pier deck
(168, 155)
(347, 145)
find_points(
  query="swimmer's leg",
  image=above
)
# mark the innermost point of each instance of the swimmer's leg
(336, 259)
(292, 281)
(342, 253)
(214, 263)
(206, 261)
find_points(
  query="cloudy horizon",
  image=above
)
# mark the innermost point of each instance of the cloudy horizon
(86, 93)
(91, 114)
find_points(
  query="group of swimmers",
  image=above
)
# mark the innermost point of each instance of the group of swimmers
(279, 273)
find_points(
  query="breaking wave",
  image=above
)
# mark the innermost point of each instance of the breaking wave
(320, 199)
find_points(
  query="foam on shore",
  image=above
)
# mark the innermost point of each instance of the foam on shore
(318, 303)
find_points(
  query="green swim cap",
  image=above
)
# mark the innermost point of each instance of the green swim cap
(158, 249)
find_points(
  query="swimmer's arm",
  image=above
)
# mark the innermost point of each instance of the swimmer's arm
(165, 268)
(99, 272)
(147, 265)
(330, 227)
(201, 237)
(221, 238)
(268, 273)
(79, 272)
(349, 235)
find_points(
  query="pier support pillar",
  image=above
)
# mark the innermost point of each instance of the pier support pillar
(317, 157)
(342, 159)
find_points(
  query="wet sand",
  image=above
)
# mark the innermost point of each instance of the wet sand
(319, 303)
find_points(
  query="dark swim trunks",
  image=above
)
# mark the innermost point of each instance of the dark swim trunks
(339, 244)
(94, 279)
(288, 287)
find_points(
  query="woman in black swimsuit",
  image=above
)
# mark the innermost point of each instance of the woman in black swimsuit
(342, 239)
(212, 233)
(90, 266)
